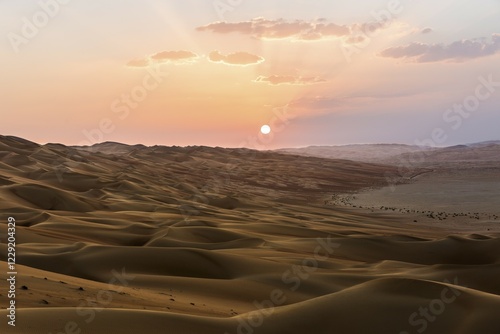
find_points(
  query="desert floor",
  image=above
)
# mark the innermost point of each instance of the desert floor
(133, 239)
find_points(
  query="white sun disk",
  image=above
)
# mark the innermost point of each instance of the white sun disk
(265, 129)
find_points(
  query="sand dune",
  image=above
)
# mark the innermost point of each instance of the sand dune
(132, 239)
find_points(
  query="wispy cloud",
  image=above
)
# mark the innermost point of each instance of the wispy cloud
(139, 62)
(176, 57)
(317, 104)
(427, 30)
(236, 58)
(298, 30)
(458, 51)
(289, 80)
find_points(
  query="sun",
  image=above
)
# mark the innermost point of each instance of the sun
(265, 129)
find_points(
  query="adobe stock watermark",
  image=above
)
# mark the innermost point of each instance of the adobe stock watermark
(103, 298)
(214, 183)
(223, 6)
(280, 119)
(428, 314)
(454, 118)
(121, 108)
(293, 278)
(31, 26)
(369, 30)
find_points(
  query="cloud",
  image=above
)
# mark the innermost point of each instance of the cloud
(237, 58)
(178, 57)
(458, 51)
(355, 39)
(426, 31)
(261, 28)
(174, 56)
(317, 104)
(139, 62)
(289, 80)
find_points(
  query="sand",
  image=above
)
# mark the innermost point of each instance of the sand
(134, 239)
(443, 191)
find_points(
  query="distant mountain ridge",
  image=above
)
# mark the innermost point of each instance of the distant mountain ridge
(488, 151)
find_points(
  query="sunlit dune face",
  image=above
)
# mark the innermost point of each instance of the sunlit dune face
(265, 129)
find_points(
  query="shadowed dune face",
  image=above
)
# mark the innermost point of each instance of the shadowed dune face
(212, 240)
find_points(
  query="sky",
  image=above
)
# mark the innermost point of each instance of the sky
(213, 72)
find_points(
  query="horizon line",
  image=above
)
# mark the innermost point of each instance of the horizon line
(493, 141)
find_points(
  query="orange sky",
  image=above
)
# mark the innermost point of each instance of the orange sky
(202, 73)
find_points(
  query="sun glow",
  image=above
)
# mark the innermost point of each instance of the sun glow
(265, 129)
